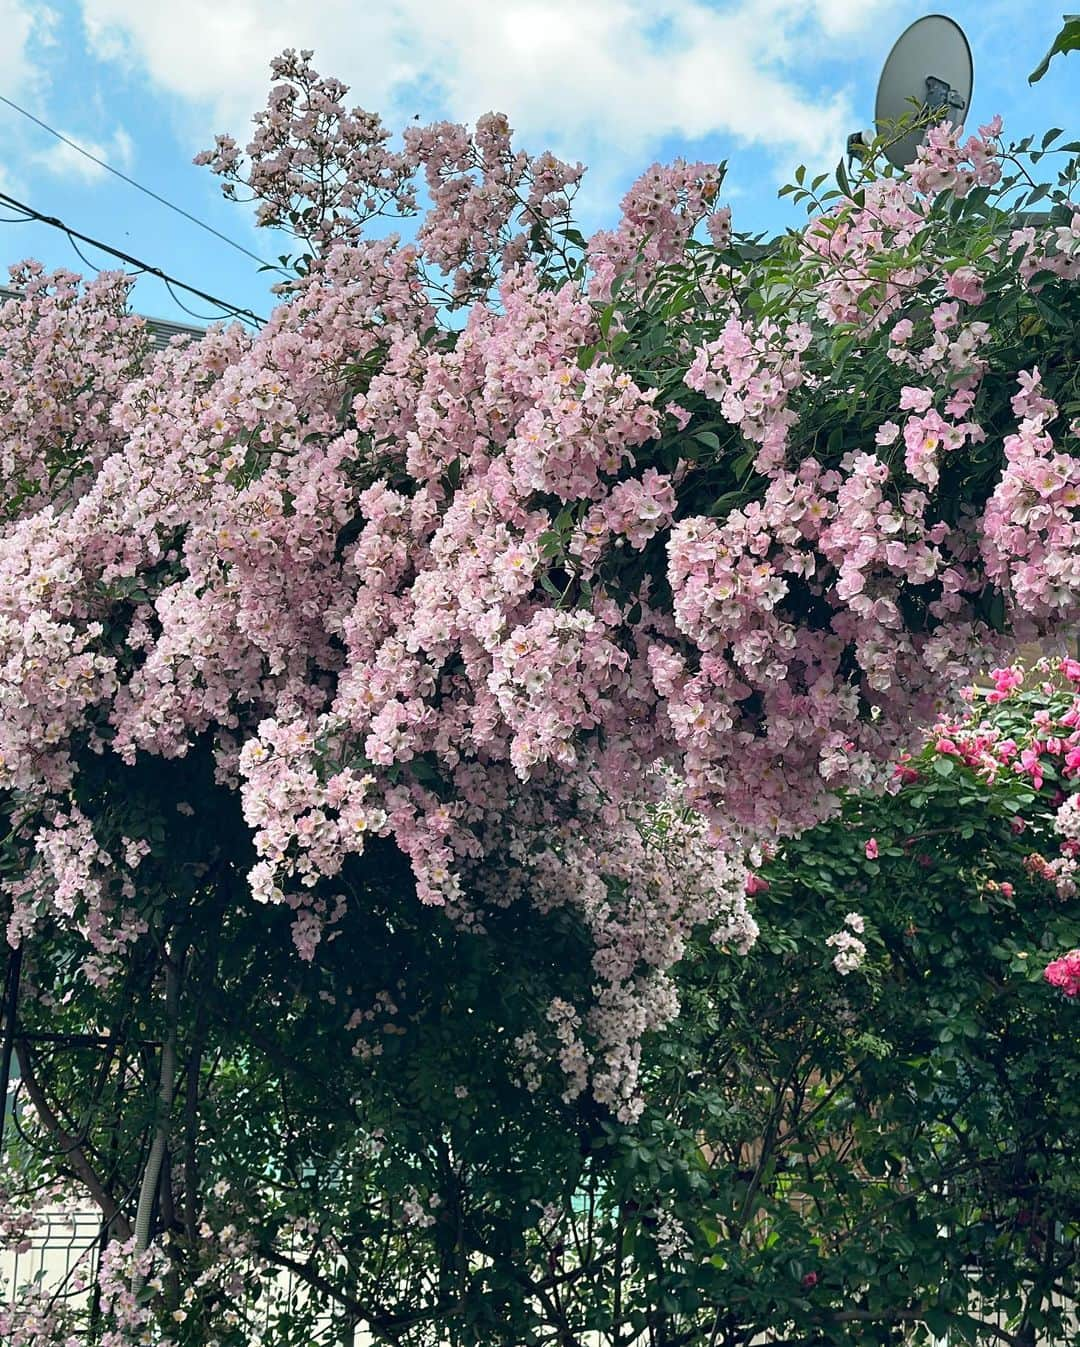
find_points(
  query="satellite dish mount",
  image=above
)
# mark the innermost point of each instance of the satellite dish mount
(940, 97)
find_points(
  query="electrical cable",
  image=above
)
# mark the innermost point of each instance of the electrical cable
(245, 315)
(164, 201)
(201, 317)
(83, 257)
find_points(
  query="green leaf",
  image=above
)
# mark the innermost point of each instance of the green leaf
(938, 1322)
(1067, 40)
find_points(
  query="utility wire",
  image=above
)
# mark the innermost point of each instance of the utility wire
(30, 213)
(86, 261)
(79, 149)
(201, 317)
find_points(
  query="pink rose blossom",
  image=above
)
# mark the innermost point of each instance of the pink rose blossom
(1064, 973)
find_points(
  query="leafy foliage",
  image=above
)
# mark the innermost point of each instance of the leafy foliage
(390, 698)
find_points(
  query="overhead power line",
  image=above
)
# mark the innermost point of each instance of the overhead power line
(146, 191)
(29, 213)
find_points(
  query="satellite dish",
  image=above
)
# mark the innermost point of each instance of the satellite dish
(928, 72)
(929, 67)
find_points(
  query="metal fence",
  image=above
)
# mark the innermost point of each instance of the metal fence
(61, 1259)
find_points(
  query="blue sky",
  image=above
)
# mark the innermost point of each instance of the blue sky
(618, 84)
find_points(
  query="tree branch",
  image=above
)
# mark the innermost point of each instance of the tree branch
(73, 1152)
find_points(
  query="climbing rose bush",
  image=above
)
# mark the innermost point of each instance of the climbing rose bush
(1026, 731)
(809, 1130)
(497, 539)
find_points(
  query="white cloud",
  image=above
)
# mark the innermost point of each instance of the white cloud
(65, 161)
(23, 25)
(840, 17)
(603, 80)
